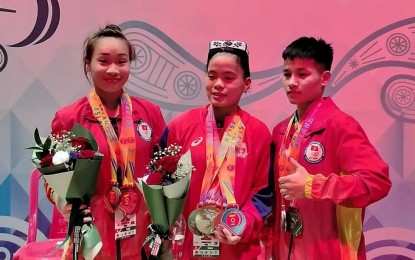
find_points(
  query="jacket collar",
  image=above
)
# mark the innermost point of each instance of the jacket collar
(321, 119)
(242, 113)
(86, 112)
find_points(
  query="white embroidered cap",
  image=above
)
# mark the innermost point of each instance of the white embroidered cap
(240, 45)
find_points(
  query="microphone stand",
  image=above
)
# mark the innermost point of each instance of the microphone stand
(76, 241)
(78, 222)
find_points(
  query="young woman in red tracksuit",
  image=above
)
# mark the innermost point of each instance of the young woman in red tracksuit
(107, 58)
(202, 130)
(326, 169)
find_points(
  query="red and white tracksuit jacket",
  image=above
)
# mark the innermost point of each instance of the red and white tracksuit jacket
(143, 112)
(252, 164)
(348, 176)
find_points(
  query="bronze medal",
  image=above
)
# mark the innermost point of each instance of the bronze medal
(294, 222)
(231, 219)
(205, 219)
(112, 199)
(129, 202)
(191, 223)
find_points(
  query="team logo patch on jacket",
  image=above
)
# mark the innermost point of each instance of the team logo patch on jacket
(314, 153)
(241, 150)
(144, 130)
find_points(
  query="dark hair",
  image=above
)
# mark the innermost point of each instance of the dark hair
(111, 30)
(310, 48)
(242, 58)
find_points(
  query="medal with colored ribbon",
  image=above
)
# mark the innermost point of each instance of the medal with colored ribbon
(112, 199)
(291, 220)
(122, 152)
(217, 186)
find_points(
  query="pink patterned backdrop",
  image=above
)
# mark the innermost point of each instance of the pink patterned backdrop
(373, 80)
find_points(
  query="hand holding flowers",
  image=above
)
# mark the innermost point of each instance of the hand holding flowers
(69, 162)
(165, 189)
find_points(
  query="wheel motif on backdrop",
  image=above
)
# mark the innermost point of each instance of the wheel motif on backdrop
(187, 85)
(384, 249)
(403, 96)
(18, 238)
(398, 44)
(3, 58)
(398, 97)
(142, 56)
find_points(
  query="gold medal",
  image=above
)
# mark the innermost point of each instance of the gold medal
(191, 223)
(205, 219)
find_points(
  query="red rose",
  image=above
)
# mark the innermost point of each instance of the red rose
(155, 178)
(86, 154)
(168, 163)
(46, 161)
(80, 142)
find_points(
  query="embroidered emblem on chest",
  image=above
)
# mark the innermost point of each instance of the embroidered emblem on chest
(315, 152)
(144, 130)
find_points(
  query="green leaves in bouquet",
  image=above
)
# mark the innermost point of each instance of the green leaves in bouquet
(46, 146)
(42, 148)
(79, 130)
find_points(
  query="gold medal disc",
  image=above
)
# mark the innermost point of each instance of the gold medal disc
(205, 219)
(191, 223)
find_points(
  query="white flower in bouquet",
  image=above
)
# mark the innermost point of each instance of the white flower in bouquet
(60, 157)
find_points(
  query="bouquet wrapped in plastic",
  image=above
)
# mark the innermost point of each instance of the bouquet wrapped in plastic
(69, 162)
(165, 189)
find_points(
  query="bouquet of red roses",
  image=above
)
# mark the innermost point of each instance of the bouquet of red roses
(69, 162)
(165, 189)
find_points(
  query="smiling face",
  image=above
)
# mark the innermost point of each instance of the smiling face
(109, 65)
(304, 81)
(225, 82)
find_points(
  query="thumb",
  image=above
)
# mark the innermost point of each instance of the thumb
(294, 163)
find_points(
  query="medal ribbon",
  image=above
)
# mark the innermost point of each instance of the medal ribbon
(293, 149)
(220, 161)
(122, 150)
